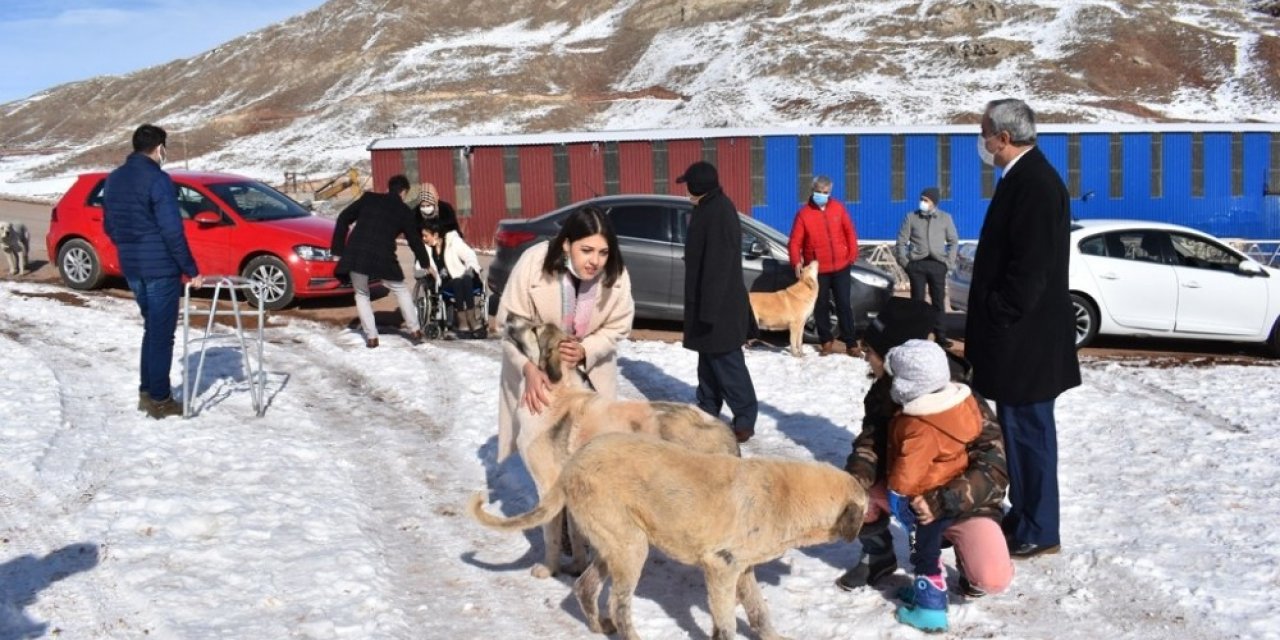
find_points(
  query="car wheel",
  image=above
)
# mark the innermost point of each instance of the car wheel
(1273, 343)
(1086, 320)
(271, 280)
(79, 266)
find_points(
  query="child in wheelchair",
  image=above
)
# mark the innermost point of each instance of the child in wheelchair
(451, 287)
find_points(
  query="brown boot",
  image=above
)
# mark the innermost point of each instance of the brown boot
(827, 348)
(161, 409)
(854, 350)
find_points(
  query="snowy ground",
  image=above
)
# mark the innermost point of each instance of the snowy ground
(338, 514)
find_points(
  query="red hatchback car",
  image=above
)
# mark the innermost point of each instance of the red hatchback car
(234, 225)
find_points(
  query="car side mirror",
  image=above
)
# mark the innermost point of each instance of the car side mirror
(208, 218)
(309, 206)
(1251, 268)
(756, 250)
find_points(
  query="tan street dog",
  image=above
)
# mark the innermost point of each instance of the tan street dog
(722, 513)
(15, 240)
(577, 414)
(789, 308)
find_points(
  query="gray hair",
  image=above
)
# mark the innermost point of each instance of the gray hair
(821, 181)
(1014, 116)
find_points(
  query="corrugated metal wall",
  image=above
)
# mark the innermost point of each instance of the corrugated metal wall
(635, 160)
(1212, 197)
(733, 163)
(586, 171)
(386, 163)
(537, 181)
(488, 194)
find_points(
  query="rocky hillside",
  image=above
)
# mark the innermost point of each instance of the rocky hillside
(308, 94)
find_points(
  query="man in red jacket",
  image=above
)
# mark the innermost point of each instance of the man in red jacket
(824, 232)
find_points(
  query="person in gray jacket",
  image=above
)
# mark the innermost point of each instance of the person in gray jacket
(927, 247)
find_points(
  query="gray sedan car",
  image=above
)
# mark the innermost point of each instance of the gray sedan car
(651, 234)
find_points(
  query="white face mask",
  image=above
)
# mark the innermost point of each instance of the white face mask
(925, 205)
(988, 158)
(428, 210)
(163, 156)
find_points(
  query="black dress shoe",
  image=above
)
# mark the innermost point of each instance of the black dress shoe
(1031, 549)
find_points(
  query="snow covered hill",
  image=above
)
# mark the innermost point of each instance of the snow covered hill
(310, 93)
(339, 513)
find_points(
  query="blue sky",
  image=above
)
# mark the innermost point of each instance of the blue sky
(44, 43)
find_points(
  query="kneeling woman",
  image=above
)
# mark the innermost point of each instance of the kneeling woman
(577, 281)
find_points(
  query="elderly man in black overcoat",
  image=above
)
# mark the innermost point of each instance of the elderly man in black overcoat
(1020, 333)
(717, 312)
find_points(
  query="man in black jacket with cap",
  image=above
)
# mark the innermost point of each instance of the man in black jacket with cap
(717, 312)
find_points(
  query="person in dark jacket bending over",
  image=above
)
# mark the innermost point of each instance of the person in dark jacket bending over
(370, 252)
(822, 231)
(717, 311)
(1020, 331)
(140, 215)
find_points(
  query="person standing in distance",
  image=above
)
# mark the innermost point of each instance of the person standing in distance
(717, 312)
(823, 231)
(1020, 333)
(141, 216)
(926, 249)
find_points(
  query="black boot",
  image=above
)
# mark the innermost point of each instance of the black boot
(878, 561)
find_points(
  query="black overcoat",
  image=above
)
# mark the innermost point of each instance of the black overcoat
(379, 219)
(1020, 331)
(717, 312)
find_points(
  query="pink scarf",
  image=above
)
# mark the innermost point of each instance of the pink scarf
(578, 303)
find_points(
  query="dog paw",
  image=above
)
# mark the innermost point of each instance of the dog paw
(606, 627)
(541, 571)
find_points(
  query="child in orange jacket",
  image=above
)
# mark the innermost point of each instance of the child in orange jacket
(927, 441)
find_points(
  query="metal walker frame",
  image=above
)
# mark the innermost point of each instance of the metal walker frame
(257, 377)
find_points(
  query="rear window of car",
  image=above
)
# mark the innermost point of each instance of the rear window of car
(95, 196)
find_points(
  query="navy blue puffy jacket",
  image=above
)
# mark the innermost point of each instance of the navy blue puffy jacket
(141, 217)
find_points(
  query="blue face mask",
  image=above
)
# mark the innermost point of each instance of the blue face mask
(821, 199)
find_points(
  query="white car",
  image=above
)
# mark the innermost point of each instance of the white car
(1139, 278)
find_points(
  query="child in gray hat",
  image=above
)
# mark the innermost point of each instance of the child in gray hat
(927, 441)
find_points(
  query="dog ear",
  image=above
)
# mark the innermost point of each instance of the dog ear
(549, 338)
(850, 521)
(521, 331)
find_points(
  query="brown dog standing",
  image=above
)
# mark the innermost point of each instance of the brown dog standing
(718, 512)
(790, 308)
(576, 415)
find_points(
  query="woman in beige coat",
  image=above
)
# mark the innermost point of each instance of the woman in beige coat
(576, 280)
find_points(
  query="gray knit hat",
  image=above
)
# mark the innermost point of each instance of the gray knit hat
(918, 367)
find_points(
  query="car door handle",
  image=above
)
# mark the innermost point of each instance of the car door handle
(1191, 285)
(1109, 276)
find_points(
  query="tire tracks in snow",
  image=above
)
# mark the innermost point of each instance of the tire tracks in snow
(415, 482)
(1123, 382)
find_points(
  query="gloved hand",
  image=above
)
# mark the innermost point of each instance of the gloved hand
(900, 507)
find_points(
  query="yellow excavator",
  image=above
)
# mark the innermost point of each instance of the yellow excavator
(349, 179)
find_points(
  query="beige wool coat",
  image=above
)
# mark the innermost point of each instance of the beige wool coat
(532, 294)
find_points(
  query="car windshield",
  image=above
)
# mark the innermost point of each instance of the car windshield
(257, 202)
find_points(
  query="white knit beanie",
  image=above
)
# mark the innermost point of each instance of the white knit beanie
(918, 367)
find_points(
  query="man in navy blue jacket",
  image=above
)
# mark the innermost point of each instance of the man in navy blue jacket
(142, 219)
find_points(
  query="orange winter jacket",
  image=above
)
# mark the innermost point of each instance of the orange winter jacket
(826, 235)
(927, 440)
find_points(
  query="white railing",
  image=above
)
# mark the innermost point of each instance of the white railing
(1263, 251)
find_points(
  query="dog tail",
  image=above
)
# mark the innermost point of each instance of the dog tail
(548, 507)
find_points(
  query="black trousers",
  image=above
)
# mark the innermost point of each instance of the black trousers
(723, 377)
(838, 285)
(931, 273)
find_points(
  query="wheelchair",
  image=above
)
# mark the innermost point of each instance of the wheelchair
(435, 306)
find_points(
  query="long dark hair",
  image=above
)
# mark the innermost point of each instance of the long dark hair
(581, 223)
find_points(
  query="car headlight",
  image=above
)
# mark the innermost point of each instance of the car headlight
(870, 279)
(313, 253)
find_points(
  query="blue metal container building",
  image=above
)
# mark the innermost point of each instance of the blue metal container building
(1220, 178)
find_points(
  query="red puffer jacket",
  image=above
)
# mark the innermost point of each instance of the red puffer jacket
(827, 236)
